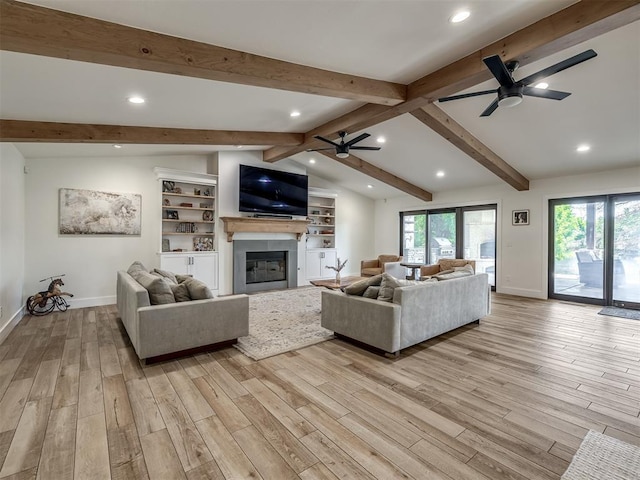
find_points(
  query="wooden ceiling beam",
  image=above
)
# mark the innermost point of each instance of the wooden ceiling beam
(27, 131)
(573, 25)
(36, 30)
(382, 175)
(453, 132)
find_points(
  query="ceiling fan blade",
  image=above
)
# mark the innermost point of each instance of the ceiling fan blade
(558, 67)
(542, 93)
(357, 139)
(466, 95)
(490, 109)
(326, 140)
(499, 70)
(318, 149)
(365, 148)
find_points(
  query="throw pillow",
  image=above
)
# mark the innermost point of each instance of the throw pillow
(166, 274)
(359, 287)
(136, 267)
(466, 268)
(197, 290)
(458, 274)
(182, 278)
(180, 292)
(159, 288)
(387, 286)
(372, 292)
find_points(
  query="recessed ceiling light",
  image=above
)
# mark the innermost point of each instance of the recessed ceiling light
(238, 146)
(542, 85)
(136, 100)
(381, 139)
(440, 173)
(369, 186)
(461, 16)
(583, 148)
(312, 160)
(295, 113)
(117, 146)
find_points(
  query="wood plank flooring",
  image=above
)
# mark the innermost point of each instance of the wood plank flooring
(510, 398)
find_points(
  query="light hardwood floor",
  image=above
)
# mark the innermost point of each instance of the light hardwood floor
(510, 398)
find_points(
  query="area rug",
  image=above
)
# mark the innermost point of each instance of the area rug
(282, 321)
(620, 312)
(601, 457)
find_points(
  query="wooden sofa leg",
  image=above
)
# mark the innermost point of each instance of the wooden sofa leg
(393, 355)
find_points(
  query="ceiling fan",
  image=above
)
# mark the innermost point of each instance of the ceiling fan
(510, 92)
(342, 148)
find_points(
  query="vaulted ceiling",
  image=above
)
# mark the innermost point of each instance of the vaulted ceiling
(225, 73)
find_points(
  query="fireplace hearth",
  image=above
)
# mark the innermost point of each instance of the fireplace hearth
(260, 265)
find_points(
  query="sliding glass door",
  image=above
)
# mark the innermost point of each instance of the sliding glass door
(462, 232)
(626, 251)
(594, 253)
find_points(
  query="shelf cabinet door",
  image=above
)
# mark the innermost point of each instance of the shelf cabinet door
(202, 267)
(317, 261)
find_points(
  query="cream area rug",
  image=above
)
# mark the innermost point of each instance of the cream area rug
(601, 457)
(281, 321)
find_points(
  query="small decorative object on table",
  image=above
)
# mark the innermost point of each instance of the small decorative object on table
(196, 191)
(186, 204)
(207, 193)
(172, 215)
(339, 266)
(166, 202)
(207, 215)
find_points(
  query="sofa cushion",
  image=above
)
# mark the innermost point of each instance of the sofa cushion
(158, 287)
(197, 290)
(181, 292)
(359, 287)
(136, 267)
(466, 268)
(455, 274)
(372, 292)
(166, 274)
(182, 278)
(450, 263)
(389, 284)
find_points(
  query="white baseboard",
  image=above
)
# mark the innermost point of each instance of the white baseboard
(522, 292)
(8, 327)
(91, 301)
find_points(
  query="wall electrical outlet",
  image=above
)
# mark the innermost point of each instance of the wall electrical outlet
(0, 311)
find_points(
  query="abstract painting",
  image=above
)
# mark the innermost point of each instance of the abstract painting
(88, 212)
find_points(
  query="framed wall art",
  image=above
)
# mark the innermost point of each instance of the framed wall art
(90, 212)
(520, 217)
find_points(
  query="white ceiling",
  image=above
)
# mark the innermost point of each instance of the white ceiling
(390, 40)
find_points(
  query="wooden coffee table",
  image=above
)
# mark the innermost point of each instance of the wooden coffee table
(332, 285)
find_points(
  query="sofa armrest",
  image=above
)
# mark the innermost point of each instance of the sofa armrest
(179, 326)
(369, 321)
(427, 270)
(395, 270)
(369, 264)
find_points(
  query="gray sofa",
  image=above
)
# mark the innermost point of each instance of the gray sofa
(418, 312)
(160, 330)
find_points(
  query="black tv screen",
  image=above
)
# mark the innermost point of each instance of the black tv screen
(272, 191)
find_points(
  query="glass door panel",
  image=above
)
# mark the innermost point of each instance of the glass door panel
(626, 252)
(413, 238)
(479, 240)
(442, 236)
(578, 249)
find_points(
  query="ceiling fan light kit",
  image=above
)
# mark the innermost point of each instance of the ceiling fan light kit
(510, 93)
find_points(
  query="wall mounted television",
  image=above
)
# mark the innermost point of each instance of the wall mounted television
(272, 191)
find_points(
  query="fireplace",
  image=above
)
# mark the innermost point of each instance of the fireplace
(264, 265)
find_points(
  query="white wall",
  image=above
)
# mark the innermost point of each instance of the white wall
(12, 235)
(90, 262)
(521, 250)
